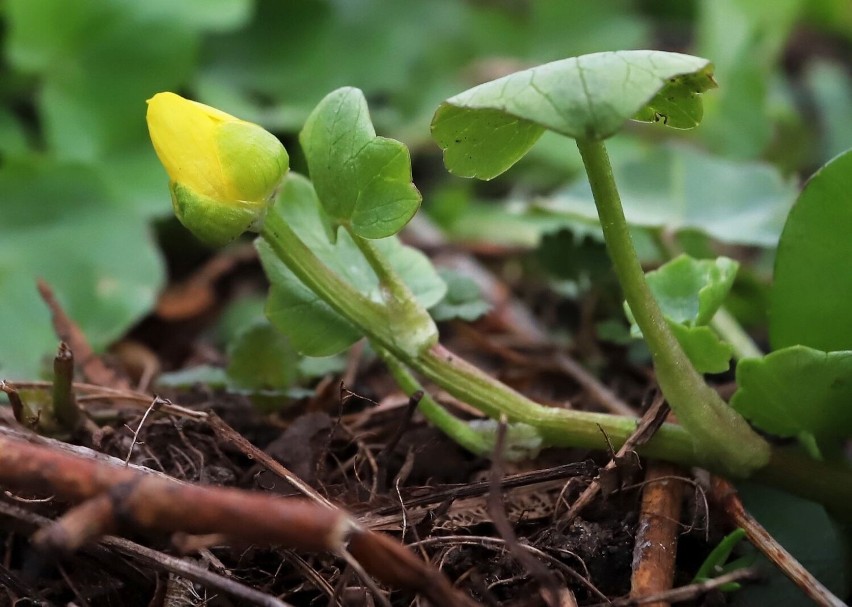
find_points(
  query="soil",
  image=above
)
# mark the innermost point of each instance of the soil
(425, 491)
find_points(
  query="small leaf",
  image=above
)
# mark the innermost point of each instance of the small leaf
(312, 326)
(705, 350)
(680, 188)
(206, 375)
(797, 391)
(812, 291)
(487, 129)
(363, 181)
(689, 292)
(522, 441)
(261, 358)
(463, 299)
(715, 561)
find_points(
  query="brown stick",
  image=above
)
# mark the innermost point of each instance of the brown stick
(684, 593)
(91, 365)
(159, 561)
(656, 537)
(150, 502)
(725, 495)
(648, 424)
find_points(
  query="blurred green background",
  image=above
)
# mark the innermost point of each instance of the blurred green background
(82, 197)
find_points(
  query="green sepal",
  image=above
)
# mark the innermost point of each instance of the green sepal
(211, 221)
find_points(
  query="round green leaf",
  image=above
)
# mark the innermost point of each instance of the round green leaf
(261, 358)
(60, 224)
(312, 326)
(679, 188)
(810, 300)
(494, 124)
(797, 391)
(363, 181)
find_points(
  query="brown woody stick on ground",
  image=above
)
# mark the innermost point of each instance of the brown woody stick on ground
(115, 497)
(656, 537)
(724, 494)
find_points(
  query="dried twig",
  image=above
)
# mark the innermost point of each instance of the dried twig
(160, 561)
(724, 494)
(684, 593)
(65, 407)
(655, 547)
(550, 587)
(91, 365)
(646, 427)
(115, 497)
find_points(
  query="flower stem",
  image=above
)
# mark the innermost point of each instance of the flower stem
(719, 433)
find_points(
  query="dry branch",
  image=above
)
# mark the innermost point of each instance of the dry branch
(113, 497)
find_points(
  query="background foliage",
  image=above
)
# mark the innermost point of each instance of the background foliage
(84, 203)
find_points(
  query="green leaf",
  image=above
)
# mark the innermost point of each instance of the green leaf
(714, 564)
(363, 181)
(205, 375)
(97, 62)
(485, 130)
(689, 292)
(797, 391)
(463, 299)
(811, 295)
(312, 326)
(830, 85)
(678, 188)
(746, 43)
(261, 358)
(705, 350)
(60, 224)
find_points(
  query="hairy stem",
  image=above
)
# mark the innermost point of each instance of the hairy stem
(719, 433)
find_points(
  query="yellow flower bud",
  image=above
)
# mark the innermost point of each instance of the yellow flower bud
(223, 171)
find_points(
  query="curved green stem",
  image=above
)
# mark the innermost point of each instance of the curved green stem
(439, 417)
(732, 332)
(826, 483)
(412, 327)
(720, 434)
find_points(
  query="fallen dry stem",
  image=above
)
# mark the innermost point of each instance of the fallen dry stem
(684, 593)
(724, 494)
(159, 561)
(125, 498)
(657, 533)
(645, 429)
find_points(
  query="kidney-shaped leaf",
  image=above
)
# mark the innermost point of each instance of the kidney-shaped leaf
(811, 295)
(670, 188)
(312, 326)
(485, 130)
(60, 224)
(363, 181)
(797, 391)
